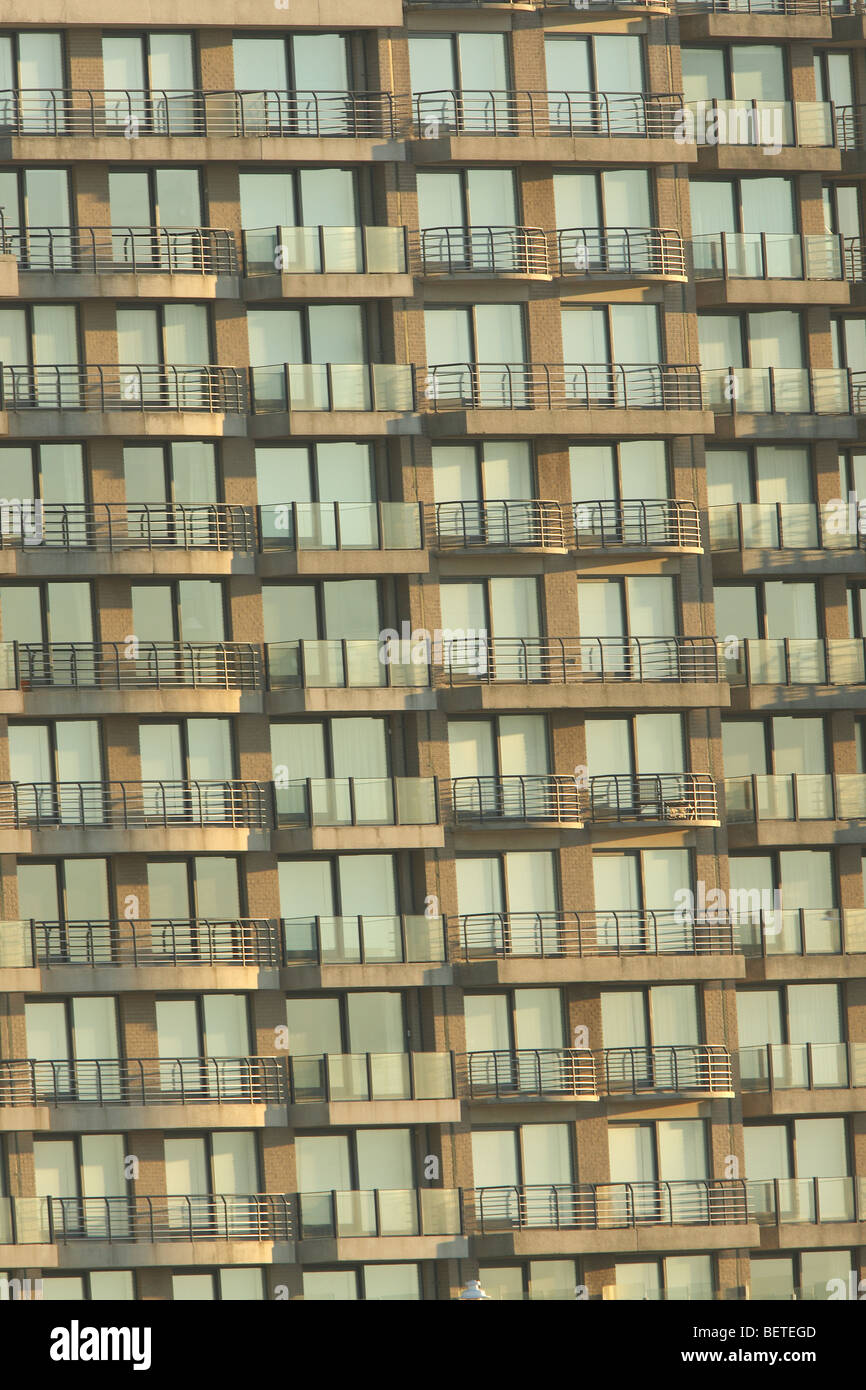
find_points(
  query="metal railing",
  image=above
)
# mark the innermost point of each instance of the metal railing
(115, 526)
(132, 666)
(264, 1216)
(134, 805)
(850, 126)
(542, 798)
(330, 386)
(801, 931)
(345, 664)
(793, 796)
(634, 1071)
(429, 1211)
(795, 1201)
(786, 390)
(561, 386)
(804, 1065)
(519, 524)
(266, 113)
(795, 661)
(498, 1075)
(318, 250)
(783, 525)
(186, 941)
(540, 4)
(552, 935)
(666, 521)
(371, 1076)
(213, 390)
(670, 797)
(481, 251)
(363, 940)
(341, 526)
(146, 1081)
(357, 801)
(606, 1206)
(768, 7)
(853, 258)
(117, 250)
(770, 255)
(665, 797)
(651, 115)
(617, 251)
(577, 660)
(770, 125)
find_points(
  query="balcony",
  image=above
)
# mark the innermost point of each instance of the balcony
(670, 798)
(108, 251)
(93, 391)
(240, 942)
(371, 1076)
(634, 524)
(145, 1220)
(474, 251)
(367, 940)
(145, 1082)
(770, 268)
(667, 798)
(806, 1201)
(817, 798)
(514, 800)
(549, 936)
(308, 537)
(782, 526)
(121, 527)
(503, 525)
(803, 1066)
(699, 1069)
(813, 932)
(419, 1212)
(735, 134)
(358, 392)
(541, 398)
(196, 113)
(607, 1206)
(570, 1074)
(618, 253)
(785, 8)
(836, 663)
(344, 664)
(149, 805)
(358, 812)
(590, 115)
(825, 400)
(538, 4)
(326, 262)
(34, 667)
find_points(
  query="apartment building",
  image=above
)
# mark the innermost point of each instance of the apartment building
(432, 649)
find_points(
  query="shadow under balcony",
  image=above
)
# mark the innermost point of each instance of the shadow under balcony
(772, 269)
(81, 538)
(90, 1232)
(796, 674)
(123, 262)
(579, 672)
(372, 1088)
(587, 1217)
(59, 401)
(99, 678)
(803, 1078)
(337, 813)
(534, 947)
(147, 817)
(333, 398)
(795, 808)
(338, 538)
(315, 263)
(786, 403)
(779, 538)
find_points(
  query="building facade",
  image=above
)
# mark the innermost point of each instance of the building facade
(433, 607)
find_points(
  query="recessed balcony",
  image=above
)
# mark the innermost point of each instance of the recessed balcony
(794, 526)
(338, 537)
(774, 268)
(537, 4)
(665, 798)
(807, 1201)
(368, 940)
(326, 262)
(478, 251)
(545, 799)
(804, 931)
(133, 531)
(498, 524)
(164, 261)
(477, 802)
(148, 1081)
(803, 136)
(404, 1079)
(547, 118)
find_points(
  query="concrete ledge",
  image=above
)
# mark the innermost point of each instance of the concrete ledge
(96, 424)
(746, 425)
(599, 151)
(326, 285)
(315, 1115)
(609, 969)
(347, 837)
(742, 834)
(8, 277)
(331, 1251)
(338, 424)
(589, 695)
(732, 564)
(92, 703)
(751, 159)
(273, 564)
(801, 698)
(82, 979)
(167, 1254)
(45, 560)
(181, 839)
(95, 1119)
(768, 293)
(357, 701)
(570, 421)
(212, 14)
(753, 28)
(651, 1237)
(210, 149)
(151, 284)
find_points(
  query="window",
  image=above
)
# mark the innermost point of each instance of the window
(651, 1038)
(37, 216)
(683, 1277)
(41, 335)
(149, 82)
(781, 764)
(806, 883)
(477, 355)
(194, 749)
(537, 1279)
(169, 199)
(57, 764)
(89, 1172)
(748, 227)
(500, 766)
(32, 62)
(580, 70)
(171, 491)
(329, 338)
(356, 1167)
(468, 219)
(648, 743)
(791, 1036)
(68, 899)
(761, 496)
(341, 907)
(236, 1283)
(213, 1026)
(316, 488)
(482, 494)
(605, 346)
(460, 81)
(637, 896)
(760, 358)
(53, 474)
(508, 902)
(612, 612)
(668, 1151)
(747, 87)
(537, 1158)
(295, 84)
(209, 1179)
(809, 1274)
(378, 1282)
(63, 1039)
(91, 1287)
(801, 1165)
(337, 771)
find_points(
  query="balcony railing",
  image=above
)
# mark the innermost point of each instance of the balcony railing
(770, 125)
(578, 660)
(651, 115)
(670, 797)
(667, 522)
(344, 664)
(606, 1206)
(426, 1211)
(797, 1201)
(243, 941)
(784, 390)
(799, 931)
(499, 1075)
(666, 797)
(130, 666)
(769, 256)
(806, 1066)
(795, 661)
(509, 525)
(341, 526)
(781, 526)
(162, 112)
(780, 7)
(332, 386)
(119, 250)
(551, 935)
(562, 386)
(146, 1081)
(851, 127)
(525, 799)
(371, 1076)
(325, 251)
(133, 805)
(363, 940)
(794, 796)
(537, 4)
(618, 251)
(482, 251)
(144, 1220)
(357, 801)
(212, 390)
(115, 526)
(645, 1070)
